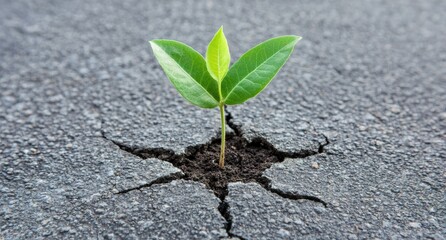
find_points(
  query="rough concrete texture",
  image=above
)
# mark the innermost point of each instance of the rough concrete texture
(368, 75)
(259, 214)
(159, 212)
(365, 200)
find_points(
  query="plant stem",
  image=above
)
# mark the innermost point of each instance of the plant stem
(223, 136)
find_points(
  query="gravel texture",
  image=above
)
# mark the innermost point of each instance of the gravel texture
(77, 77)
(259, 214)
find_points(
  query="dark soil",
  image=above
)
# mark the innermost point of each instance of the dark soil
(245, 161)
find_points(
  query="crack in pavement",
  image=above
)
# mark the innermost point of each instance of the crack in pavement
(229, 121)
(223, 208)
(162, 180)
(322, 145)
(245, 162)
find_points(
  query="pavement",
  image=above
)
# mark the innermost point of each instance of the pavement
(77, 77)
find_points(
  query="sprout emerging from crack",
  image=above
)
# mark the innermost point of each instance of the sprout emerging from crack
(208, 83)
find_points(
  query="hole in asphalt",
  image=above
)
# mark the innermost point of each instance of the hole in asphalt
(245, 162)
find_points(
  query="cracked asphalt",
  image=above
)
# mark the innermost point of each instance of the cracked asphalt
(77, 76)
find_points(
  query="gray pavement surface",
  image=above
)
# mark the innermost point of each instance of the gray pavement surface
(368, 75)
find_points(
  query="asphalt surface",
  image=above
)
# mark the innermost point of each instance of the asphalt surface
(76, 77)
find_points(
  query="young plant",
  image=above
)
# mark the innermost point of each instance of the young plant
(208, 83)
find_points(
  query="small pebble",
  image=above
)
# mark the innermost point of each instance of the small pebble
(362, 128)
(415, 224)
(34, 151)
(395, 109)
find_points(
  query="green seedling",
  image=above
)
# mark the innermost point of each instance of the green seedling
(210, 83)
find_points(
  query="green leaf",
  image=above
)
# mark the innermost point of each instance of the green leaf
(256, 68)
(186, 69)
(217, 56)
